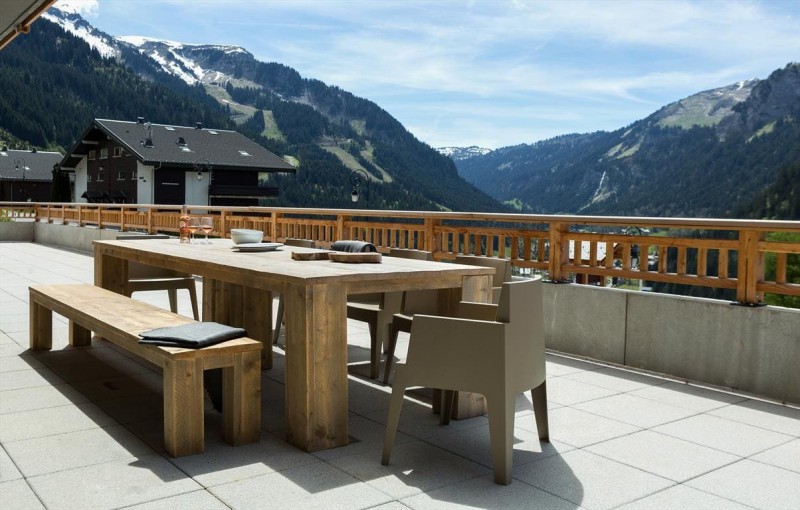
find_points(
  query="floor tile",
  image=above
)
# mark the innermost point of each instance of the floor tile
(726, 435)
(414, 467)
(779, 418)
(49, 454)
(30, 378)
(197, 500)
(25, 361)
(562, 365)
(8, 471)
(27, 399)
(786, 456)
(310, 487)
(568, 392)
(484, 493)
(688, 396)
(365, 435)
(17, 494)
(614, 379)
(222, 463)
(752, 483)
(52, 421)
(419, 421)
(475, 444)
(579, 428)
(634, 410)
(113, 484)
(682, 497)
(663, 455)
(589, 480)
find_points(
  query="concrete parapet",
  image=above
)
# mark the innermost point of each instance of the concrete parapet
(756, 349)
(586, 320)
(70, 236)
(18, 231)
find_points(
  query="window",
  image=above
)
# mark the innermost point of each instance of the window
(88, 177)
(117, 152)
(121, 176)
(244, 153)
(133, 174)
(103, 153)
(100, 175)
(91, 155)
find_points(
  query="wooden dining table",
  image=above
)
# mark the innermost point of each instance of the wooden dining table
(238, 288)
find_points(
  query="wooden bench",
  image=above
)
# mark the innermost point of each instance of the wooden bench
(120, 319)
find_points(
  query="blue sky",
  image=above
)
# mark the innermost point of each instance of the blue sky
(490, 73)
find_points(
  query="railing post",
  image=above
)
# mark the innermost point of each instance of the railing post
(750, 268)
(433, 243)
(223, 223)
(558, 255)
(340, 221)
(274, 226)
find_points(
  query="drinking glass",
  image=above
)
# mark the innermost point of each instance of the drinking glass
(194, 225)
(207, 225)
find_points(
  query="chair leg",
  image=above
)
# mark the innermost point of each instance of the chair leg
(446, 409)
(390, 354)
(374, 351)
(193, 297)
(278, 320)
(396, 404)
(539, 397)
(501, 432)
(173, 300)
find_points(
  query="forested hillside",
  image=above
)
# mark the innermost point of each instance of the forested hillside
(53, 84)
(702, 156)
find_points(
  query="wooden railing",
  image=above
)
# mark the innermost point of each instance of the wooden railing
(598, 244)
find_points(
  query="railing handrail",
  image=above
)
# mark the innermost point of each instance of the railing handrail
(535, 241)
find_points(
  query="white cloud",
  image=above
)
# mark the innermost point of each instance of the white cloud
(86, 8)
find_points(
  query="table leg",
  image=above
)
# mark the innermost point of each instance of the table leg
(110, 272)
(316, 366)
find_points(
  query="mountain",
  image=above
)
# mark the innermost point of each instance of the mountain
(700, 156)
(459, 153)
(66, 72)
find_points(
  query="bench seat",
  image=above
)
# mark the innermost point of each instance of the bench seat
(120, 319)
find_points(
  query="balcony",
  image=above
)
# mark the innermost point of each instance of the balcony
(81, 427)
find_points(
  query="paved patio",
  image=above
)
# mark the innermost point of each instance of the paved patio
(82, 428)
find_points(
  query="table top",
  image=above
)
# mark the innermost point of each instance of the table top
(218, 259)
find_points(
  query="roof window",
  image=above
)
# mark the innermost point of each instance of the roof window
(212, 132)
(169, 128)
(244, 153)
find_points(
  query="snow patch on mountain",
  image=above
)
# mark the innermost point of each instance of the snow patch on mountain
(459, 153)
(72, 22)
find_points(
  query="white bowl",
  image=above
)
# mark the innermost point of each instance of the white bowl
(243, 235)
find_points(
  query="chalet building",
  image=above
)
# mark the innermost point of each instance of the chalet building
(136, 162)
(26, 176)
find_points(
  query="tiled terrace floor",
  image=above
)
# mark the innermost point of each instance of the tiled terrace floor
(81, 428)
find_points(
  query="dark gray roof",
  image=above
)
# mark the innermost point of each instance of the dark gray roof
(221, 149)
(38, 165)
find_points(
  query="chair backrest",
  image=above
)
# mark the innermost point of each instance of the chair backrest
(521, 308)
(417, 301)
(502, 267)
(410, 254)
(300, 243)
(137, 271)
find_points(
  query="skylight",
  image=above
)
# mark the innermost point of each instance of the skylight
(186, 149)
(244, 153)
(169, 128)
(212, 132)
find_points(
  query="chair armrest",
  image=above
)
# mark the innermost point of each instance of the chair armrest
(477, 311)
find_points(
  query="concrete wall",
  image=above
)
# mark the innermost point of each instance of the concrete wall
(753, 349)
(70, 236)
(19, 231)
(705, 340)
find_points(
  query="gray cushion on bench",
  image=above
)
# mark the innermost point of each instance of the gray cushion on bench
(191, 336)
(354, 247)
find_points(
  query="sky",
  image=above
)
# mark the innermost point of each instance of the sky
(490, 73)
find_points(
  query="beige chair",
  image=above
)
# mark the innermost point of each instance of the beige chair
(142, 277)
(498, 359)
(378, 309)
(502, 270)
(302, 243)
(413, 302)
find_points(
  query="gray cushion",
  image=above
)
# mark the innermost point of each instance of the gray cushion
(191, 336)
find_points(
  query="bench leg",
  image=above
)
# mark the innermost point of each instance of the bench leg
(183, 407)
(78, 335)
(241, 399)
(41, 328)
